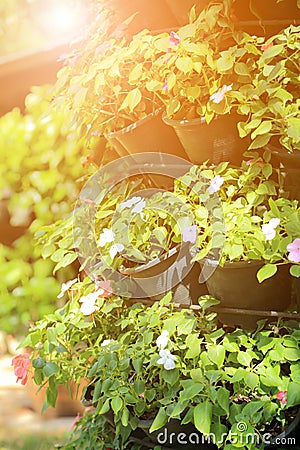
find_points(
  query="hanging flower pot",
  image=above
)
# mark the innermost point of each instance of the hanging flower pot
(217, 141)
(289, 162)
(172, 271)
(181, 9)
(149, 134)
(236, 286)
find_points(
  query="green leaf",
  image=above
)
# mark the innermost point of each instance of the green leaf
(291, 354)
(241, 69)
(295, 270)
(260, 141)
(105, 408)
(139, 386)
(293, 394)
(191, 391)
(203, 416)
(116, 404)
(185, 64)
(38, 363)
(251, 380)
(132, 99)
(263, 128)
(50, 368)
(67, 260)
(160, 420)
(266, 271)
(244, 358)
(170, 376)
(223, 398)
(51, 396)
(216, 354)
(193, 344)
(125, 417)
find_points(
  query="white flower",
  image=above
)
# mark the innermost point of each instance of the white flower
(88, 303)
(217, 97)
(106, 342)
(128, 203)
(114, 249)
(167, 359)
(215, 184)
(269, 229)
(162, 340)
(105, 237)
(66, 286)
(138, 208)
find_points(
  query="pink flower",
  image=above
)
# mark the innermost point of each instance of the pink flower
(66, 286)
(250, 161)
(73, 424)
(269, 229)
(215, 184)
(174, 38)
(281, 396)
(294, 251)
(265, 47)
(189, 234)
(217, 97)
(21, 364)
(165, 86)
(104, 289)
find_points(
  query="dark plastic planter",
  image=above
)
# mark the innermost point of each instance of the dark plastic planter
(236, 286)
(176, 436)
(181, 8)
(170, 272)
(290, 168)
(149, 134)
(218, 141)
(289, 437)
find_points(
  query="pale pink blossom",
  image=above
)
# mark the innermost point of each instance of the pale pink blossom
(165, 86)
(215, 184)
(21, 364)
(174, 38)
(269, 229)
(73, 424)
(281, 396)
(189, 234)
(218, 96)
(294, 251)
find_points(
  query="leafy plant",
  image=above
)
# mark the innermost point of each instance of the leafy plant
(249, 221)
(271, 100)
(39, 165)
(159, 362)
(205, 64)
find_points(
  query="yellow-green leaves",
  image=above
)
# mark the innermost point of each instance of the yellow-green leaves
(132, 99)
